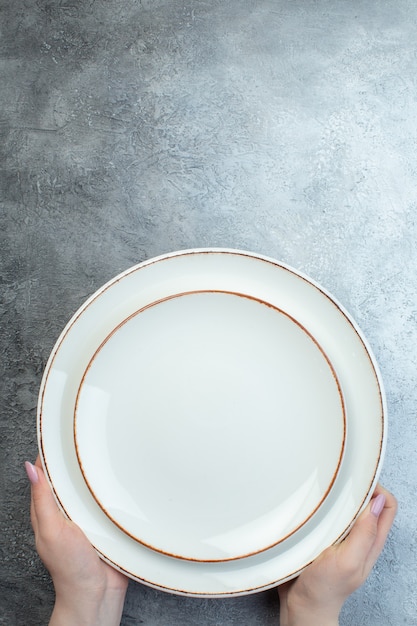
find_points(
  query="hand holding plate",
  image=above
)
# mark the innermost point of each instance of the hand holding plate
(88, 591)
(318, 594)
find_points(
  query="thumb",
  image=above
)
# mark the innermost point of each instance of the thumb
(363, 535)
(43, 510)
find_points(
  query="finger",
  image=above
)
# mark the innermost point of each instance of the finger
(369, 533)
(33, 478)
(385, 521)
(33, 518)
(44, 510)
(363, 535)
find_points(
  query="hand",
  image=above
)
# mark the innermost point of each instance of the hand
(88, 591)
(316, 597)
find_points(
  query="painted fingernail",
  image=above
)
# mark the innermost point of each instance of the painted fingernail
(378, 505)
(32, 473)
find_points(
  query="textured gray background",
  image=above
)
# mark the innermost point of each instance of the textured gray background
(131, 128)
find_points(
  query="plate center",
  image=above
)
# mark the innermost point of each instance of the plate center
(209, 426)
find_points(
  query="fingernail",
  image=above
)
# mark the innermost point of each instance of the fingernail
(378, 505)
(32, 472)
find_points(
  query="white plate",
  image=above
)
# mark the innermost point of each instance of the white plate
(298, 298)
(209, 426)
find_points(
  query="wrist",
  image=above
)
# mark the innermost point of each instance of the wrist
(311, 612)
(101, 609)
(311, 618)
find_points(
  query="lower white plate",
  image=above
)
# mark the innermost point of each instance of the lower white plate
(328, 337)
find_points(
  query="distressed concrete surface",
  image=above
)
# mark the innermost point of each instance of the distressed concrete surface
(133, 128)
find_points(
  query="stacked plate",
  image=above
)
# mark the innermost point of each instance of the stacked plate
(212, 419)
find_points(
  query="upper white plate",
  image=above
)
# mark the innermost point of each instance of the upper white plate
(321, 321)
(209, 426)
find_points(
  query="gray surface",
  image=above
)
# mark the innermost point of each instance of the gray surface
(133, 128)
